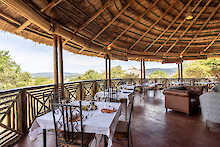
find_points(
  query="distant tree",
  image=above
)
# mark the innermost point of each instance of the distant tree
(213, 67)
(195, 70)
(41, 81)
(158, 74)
(89, 75)
(117, 72)
(130, 75)
(209, 68)
(11, 75)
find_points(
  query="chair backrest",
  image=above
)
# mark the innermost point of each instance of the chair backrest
(68, 123)
(110, 94)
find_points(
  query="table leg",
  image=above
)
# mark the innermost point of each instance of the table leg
(105, 141)
(126, 109)
(44, 137)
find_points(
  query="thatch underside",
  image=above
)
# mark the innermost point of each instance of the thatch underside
(133, 29)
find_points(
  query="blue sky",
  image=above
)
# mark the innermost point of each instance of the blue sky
(34, 57)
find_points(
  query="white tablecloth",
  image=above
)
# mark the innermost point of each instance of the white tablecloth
(97, 122)
(146, 85)
(119, 95)
(128, 87)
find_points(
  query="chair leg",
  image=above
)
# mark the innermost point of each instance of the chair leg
(131, 140)
(44, 137)
(101, 139)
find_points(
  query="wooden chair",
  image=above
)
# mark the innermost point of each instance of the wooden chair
(123, 129)
(69, 126)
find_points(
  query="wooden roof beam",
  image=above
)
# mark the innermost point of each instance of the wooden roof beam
(51, 5)
(201, 28)
(192, 22)
(185, 7)
(173, 33)
(106, 5)
(136, 20)
(113, 20)
(210, 44)
(9, 18)
(81, 50)
(35, 17)
(23, 26)
(149, 29)
(47, 7)
(99, 55)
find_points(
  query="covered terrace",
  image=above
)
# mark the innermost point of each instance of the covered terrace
(143, 30)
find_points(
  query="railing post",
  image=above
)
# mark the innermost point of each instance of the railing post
(94, 91)
(22, 112)
(81, 91)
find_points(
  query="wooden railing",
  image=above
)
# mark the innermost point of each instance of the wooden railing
(20, 107)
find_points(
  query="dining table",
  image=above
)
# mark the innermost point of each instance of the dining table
(123, 95)
(96, 121)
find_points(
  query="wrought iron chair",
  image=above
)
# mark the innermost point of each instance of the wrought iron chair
(68, 122)
(110, 94)
(123, 129)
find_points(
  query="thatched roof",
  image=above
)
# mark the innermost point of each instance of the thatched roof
(134, 29)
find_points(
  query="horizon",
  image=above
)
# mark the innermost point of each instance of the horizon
(113, 66)
(22, 50)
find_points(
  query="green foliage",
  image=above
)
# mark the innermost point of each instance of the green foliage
(209, 68)
(89, 75)
(116, 72)
(41, 81)
(158, 74)
(11, 75)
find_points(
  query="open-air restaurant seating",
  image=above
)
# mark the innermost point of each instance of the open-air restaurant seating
(99, 117)
(106, 117)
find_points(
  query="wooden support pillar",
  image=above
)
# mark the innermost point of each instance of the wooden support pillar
(22, 112)
(144, 69)
(178, 71)
(55, 63)
(106, 71)
(109, 71)
(61, 76)
(141, 71)
(181, 67)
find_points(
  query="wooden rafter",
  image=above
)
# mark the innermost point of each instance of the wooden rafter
(9, 18)
(51, 5)
(194, 20)
(99, 54)
(211, 43)
(136, 20)
(23, 26)
(174, 32)
(202, 27)
(47, 7)
(81, 50)
(149, 29)
(180, 13)
(162, 32)
(113, 20)
(106, 5)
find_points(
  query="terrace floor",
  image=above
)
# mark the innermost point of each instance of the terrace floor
(153, 127)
